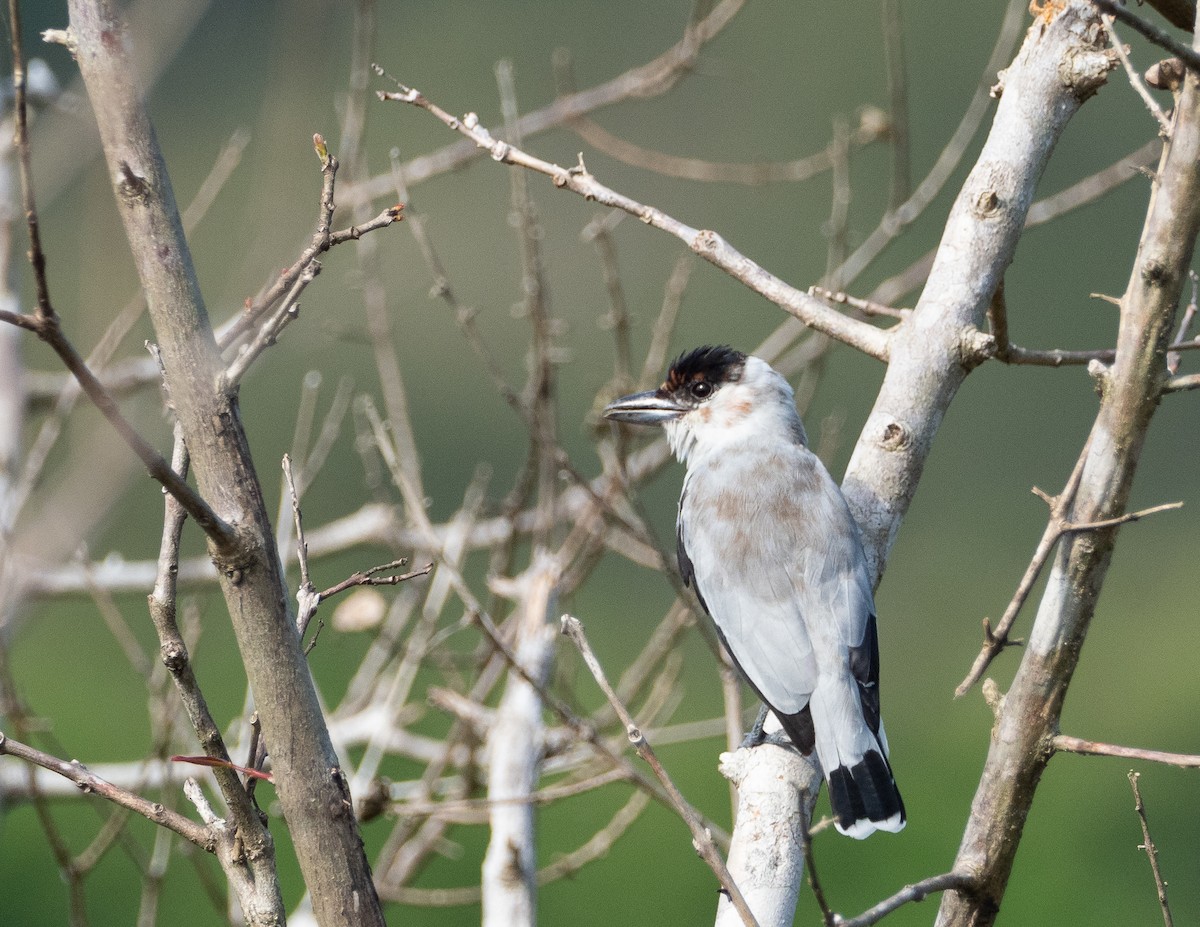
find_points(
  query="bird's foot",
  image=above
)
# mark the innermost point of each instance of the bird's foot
(756, 735)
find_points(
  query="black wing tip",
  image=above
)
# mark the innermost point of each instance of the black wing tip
(799, 728)
(865, 798)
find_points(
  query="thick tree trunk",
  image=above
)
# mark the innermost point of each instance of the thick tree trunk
(1130, 392)
(312, 790)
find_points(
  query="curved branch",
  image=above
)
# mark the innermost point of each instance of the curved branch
(708, 244)
(1026, 724)
(87, 781)
(651, 79)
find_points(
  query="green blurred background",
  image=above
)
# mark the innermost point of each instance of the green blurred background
(768, 89)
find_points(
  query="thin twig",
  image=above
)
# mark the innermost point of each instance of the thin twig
(997, 639)
(898, 219)
(322, 240)
(44, 323)
(1160, 884)
(370, 577)
(664, 322)
(1118, 520)
(873, 125)
(1181, 383)
(1067, 744)
(1185, 324)
(1092, 187)
(708, 244)
(994, 641)
(1135, 79)
(600, 233)
(163, 607)
(47, 328)
(1151, 32)
(828, 917)
(864, 305)
(37, 257)
(701, 838)
(587, 732)
(442, 288)
(918, 891)
(648, 80)
(87, 782)
(897, 85)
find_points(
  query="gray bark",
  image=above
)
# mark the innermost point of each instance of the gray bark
(1061, 63)
(312, 790)
(1130, 392)
(515, 748)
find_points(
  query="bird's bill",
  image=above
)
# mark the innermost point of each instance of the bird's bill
(648, 408)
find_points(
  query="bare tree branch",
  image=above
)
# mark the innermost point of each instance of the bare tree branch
(648, 80)
(1022, 739)
(88, 782)
(1160, 883)
(1067, 744)
(708, 244)
(918, 891)
(701, 837)
(311, 787)
(1156, 35)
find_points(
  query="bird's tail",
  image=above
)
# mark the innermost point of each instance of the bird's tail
(862, 789)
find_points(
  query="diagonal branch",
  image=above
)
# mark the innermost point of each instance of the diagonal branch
(46, 326)
(1156, 35)
(44, 321)
(89, 782)
(1160, 884)
(1068, 744)
(708, 244)
(918, 891)
(701, 837)
(312, 789)
(651, 79)
(1027, 720)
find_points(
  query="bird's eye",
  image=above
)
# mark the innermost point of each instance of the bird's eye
(701, 389)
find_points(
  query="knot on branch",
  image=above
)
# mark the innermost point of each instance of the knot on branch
(232, 558)
(895, 437)
(975, 347)
(133, 187)
(706, 242)
(1084, 71)
(174, 656)
(987, 204)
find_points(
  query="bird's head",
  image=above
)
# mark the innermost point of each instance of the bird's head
(715, 398)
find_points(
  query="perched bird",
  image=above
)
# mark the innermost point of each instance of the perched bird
(768, 543)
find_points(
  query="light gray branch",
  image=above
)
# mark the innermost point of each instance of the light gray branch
(515, 743)
(1059, 66)
(776, 791)
(311, 787)
(1027, 719)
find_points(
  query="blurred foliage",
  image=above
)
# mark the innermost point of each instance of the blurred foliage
(768, 89)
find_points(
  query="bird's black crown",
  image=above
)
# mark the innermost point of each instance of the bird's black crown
(711, 365)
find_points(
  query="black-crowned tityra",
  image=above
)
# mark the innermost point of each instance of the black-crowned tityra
(768, 543)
